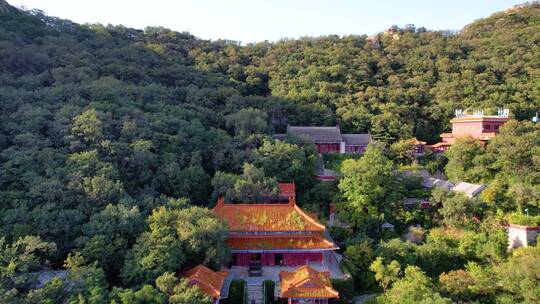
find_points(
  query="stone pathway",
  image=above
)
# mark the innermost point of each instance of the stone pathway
(255, 290)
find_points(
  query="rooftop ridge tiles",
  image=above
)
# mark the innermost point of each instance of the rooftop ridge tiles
(294, 280)
(250, 223)
(206, 279)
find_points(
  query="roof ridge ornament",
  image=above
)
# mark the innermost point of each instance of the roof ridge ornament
(292, 200)
(503, 112)
(220, 201)
(478, 113)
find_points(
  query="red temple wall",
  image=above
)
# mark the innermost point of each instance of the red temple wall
(327, 148)
(473, 129)
(355, 149)
(268, 259)
(492, 126)
(289, 259)
(297, 259)
(242, 259)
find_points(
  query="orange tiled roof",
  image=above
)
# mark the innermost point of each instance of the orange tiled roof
(270, 242)
(266, 218)
(209, 281)
(307, 283)
(440, 144)
(287, 189)
(416, 142)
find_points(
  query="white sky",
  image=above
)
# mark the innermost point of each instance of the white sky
(258, 20)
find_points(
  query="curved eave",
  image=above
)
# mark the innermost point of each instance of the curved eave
(282, 250)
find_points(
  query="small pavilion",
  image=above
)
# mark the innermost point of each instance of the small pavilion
(210, 282)
(306, 285)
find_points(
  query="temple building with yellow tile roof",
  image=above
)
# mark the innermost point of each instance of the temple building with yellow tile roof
(274, 234)
(283, 243)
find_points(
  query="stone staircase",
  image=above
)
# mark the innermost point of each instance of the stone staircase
(255, 291)
(277, 290)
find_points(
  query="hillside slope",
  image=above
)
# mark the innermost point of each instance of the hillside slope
(108, 122)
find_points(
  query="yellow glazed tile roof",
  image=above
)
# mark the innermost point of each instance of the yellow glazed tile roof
(266, 218)
(209, 281)
(307, 283)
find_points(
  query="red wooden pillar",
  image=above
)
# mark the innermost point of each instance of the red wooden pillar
(267, 259)
(270, 259)
(243, 259)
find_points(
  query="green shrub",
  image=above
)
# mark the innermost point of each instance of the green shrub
(333, 161)
(269, 291)
(345, 269)
(236, 292)
(524, 220)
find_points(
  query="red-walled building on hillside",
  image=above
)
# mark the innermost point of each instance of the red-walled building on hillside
(478, 126)
(329, 139)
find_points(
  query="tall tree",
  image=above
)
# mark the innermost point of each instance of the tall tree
(463, 160)
(368, 184)
(179, 290)
(414, 287)
(286, 162)
(247, 121)
(250, 187)
(177, 238)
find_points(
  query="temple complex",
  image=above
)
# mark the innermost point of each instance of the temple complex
(274, 241)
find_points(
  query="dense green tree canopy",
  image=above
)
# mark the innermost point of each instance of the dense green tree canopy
(249, 187)
(190, 235)
(114, 142)
(368, 185)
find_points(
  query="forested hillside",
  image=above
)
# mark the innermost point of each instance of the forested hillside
(404, 82)
(115, 141)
